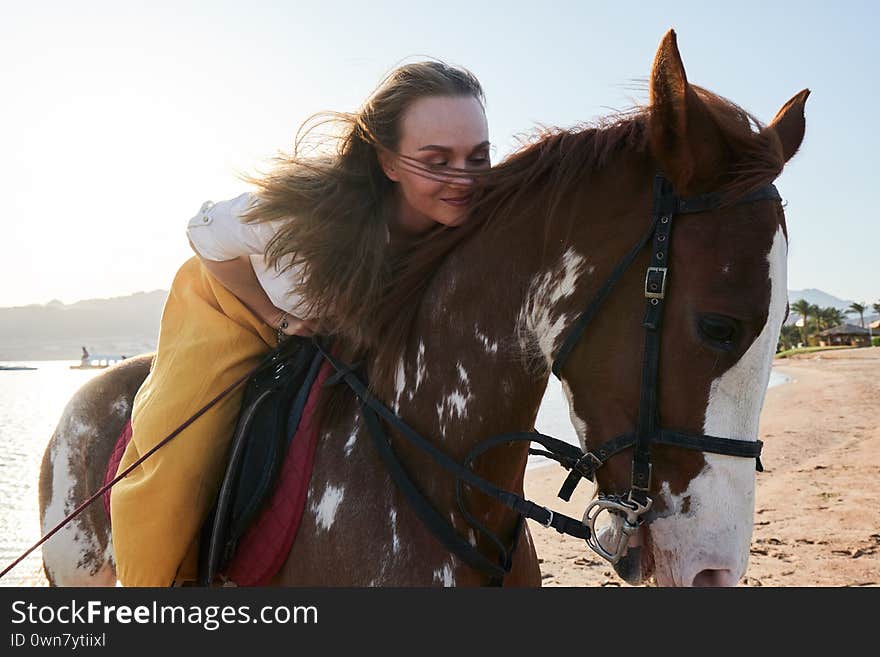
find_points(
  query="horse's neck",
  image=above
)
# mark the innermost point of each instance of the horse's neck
(479, 359)
(463, 379)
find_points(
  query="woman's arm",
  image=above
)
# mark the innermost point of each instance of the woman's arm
(223, 243)
(238, 277)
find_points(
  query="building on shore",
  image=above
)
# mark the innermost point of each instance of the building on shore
(845, 334)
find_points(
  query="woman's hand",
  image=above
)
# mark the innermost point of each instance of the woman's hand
(238, 277)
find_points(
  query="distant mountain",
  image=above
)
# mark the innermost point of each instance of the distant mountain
(126, 326)
(122, 326)
(825, 300)
(819, 298)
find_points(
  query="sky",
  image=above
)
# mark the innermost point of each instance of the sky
(119, 119)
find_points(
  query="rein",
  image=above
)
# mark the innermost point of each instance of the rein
(373, 409)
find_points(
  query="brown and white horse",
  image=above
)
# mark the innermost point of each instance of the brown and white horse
(477, 358)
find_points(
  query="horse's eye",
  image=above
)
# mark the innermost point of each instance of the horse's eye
(718, 330)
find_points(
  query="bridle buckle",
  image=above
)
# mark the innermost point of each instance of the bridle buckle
(655, 283)
(587, 465)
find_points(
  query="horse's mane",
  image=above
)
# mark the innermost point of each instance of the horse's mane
(534, 179)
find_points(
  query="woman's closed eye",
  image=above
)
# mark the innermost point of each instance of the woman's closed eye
(476, 161)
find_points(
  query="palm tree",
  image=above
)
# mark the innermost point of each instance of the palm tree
(788, 337)
(821, 315)
(814, 312)
(876, 307)
(860, 309)
(803, 308)
(830, 317)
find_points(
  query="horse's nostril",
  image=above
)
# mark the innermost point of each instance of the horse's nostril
(714, 578)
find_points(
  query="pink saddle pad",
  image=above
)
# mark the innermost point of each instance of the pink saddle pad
(264, 547)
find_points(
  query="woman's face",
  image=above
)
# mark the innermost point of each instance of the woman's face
(438, 132)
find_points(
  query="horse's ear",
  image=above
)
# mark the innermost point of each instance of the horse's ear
(684, 138)
(789, 124)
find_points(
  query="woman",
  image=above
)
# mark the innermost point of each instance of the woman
(307, 252)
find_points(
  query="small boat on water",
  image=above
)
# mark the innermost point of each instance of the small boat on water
(90, 361)
(97, 362)
(7, 368)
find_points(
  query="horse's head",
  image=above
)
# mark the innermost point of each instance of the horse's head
(725, 301)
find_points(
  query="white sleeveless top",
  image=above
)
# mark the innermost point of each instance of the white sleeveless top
(218, 233)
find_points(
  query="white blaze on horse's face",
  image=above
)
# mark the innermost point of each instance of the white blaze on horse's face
(706, 541)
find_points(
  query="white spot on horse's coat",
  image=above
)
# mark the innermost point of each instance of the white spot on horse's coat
(395, 540)
(455, 404)
(716, 531)
(471, 538)
(445, 575)
(572, 266)
(71, 557)
(548, 334)
(399, 385)
(491, 346)
(536, 317)
(420, 368)
(421, 375)
(352, 438)
(121, 407)
(325, 510)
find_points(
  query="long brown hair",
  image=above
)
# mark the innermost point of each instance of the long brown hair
(336, 199)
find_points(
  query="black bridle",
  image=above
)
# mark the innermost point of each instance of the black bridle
(648, 432)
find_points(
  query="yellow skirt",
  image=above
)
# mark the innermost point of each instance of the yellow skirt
(207, 339)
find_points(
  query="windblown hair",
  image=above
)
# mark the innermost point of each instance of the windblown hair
(336, 200)
(530, 184)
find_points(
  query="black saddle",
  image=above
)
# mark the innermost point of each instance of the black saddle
(271, 410)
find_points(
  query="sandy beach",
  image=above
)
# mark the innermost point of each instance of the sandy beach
(817, 508)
